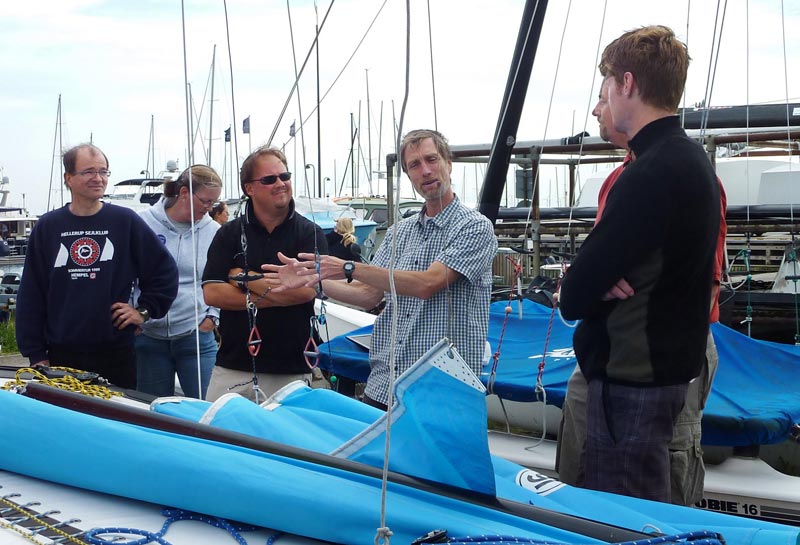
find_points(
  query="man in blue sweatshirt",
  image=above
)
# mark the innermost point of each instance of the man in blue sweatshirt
(74, 306)
(642, 280)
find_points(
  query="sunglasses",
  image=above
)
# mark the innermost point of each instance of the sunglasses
(269, 180)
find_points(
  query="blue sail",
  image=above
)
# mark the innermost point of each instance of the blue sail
(420, 446)
(753, 400)
(309, 415)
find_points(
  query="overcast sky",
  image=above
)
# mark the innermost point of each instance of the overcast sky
(116, 63)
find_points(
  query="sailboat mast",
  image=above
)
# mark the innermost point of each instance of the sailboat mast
(380, 138)
(150, 152)
(60, 151)
(56, 138)
(211, 111)
(369, 131)
(352, 157)
(511, 107)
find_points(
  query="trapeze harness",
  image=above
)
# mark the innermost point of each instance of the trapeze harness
(311, 351)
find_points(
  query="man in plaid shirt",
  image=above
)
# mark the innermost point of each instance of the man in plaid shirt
(442, 272)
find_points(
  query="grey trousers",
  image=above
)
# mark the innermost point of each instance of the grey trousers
(686, 456)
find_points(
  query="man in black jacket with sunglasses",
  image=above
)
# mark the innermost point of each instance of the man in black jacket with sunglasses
(263, 334)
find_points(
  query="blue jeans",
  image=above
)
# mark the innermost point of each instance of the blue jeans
(160, 359)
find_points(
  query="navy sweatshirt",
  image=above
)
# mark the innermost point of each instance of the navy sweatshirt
(659, 232)
(76, 267)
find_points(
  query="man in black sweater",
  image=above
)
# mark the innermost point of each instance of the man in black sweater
(642, 280)
(75, 305)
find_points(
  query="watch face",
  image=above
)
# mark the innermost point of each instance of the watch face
(349, 266)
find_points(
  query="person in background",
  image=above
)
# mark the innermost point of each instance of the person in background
(342, 241)
(442, 273)
(219, 213)
(268, 225)
(170, 344)
(686, 462)
(75, 306)
(644, 328)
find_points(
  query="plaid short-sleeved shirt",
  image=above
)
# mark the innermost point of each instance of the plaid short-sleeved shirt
(461, 239)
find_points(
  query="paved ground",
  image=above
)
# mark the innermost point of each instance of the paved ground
(13, 360)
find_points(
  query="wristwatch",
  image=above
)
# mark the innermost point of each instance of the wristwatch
(349, 267)
(145, 314)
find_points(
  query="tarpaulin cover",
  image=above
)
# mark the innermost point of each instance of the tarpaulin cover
(754, 400)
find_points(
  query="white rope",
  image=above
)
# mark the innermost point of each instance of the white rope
(383, 533)
(193, 233)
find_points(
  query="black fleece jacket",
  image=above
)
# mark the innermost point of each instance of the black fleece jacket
(659, 232)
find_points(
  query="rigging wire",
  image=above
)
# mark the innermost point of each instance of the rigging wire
(297, 87)
(747, 250)
(585, 125)
(433, 79)
(539, 385)
(298, 74)
(193, 230)
(233, 99)
(712, 65)
(330, 88)
(793, 253)
(311, 345)
(383, 533)
(585, 122)
(688, 12)
(716, 46)
(199, 114)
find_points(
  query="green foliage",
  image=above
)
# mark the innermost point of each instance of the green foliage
(8, 337)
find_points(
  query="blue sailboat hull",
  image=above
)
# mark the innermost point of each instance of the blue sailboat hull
(309, 462)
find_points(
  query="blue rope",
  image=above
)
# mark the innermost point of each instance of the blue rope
(173, 515)
(702, 537)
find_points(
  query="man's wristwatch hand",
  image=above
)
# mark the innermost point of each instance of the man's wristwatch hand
(349, 267)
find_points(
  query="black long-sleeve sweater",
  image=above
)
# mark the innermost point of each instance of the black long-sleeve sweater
(659, 232)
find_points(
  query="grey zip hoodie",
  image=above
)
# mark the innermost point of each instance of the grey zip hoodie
(181, 319)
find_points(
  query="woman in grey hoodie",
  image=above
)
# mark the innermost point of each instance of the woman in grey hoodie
(169, 345)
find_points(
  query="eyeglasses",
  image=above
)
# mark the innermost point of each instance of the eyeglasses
(207, 203)
(269, 180)
(93, 173)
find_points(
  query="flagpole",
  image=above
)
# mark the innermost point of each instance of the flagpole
(225, 182)
(227, 140)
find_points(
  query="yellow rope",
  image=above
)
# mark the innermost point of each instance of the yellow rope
(68, 382)
(31, 536)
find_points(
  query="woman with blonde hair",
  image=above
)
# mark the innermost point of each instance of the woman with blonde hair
(342, 242)
(168, 345)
